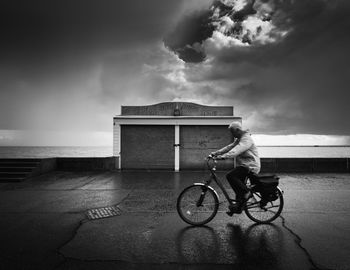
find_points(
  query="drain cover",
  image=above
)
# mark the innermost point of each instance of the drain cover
(103, 212)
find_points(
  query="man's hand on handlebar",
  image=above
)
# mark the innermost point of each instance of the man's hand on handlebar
(215, 157)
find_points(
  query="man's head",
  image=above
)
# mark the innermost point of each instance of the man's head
(236, 129)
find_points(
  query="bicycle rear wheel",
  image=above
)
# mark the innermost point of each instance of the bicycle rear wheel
(197, 204)
(262, 212)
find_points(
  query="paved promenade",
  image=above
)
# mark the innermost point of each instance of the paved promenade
(44, 225)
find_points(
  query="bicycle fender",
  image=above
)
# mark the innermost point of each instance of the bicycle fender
(209, 187)
(280, 190)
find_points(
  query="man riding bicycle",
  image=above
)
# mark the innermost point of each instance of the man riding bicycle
(247, 160)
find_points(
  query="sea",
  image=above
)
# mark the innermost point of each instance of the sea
(107, 151)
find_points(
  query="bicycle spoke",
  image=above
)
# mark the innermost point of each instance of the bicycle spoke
(263, 214)
(274, 206)
(253, 205)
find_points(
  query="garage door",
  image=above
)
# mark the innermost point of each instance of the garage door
(198, 141)
(147, 147)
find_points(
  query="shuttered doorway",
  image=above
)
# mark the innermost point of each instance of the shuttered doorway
(147, 147)
(199, 141)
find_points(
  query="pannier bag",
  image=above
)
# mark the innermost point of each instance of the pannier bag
(267, 187)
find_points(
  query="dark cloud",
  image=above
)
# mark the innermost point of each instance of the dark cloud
(297, 84)
(191, 30)
(242, 14)
(307, 73)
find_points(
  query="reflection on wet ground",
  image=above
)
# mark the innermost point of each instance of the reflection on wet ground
(253, 247)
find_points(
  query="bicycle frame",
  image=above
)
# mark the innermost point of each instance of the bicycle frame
(216, 179)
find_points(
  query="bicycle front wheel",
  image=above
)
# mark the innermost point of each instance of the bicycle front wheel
(197, 204)
(264, 212)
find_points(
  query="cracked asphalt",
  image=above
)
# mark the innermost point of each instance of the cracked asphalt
(43, 225)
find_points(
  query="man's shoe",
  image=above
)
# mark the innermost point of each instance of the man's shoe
(263, 203)
(247, 196)
(234, 209)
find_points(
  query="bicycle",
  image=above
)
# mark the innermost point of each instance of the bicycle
(198, 203)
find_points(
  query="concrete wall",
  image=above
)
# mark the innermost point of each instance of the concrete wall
(268, 165)
(305, 165)
(88, 164)
(45, 165)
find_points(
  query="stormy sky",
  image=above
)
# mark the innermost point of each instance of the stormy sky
(66, 67)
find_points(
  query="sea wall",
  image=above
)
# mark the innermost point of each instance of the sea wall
(268, 165)
(305, 165)
(88, 164)
(45, 165)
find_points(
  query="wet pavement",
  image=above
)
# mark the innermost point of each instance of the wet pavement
(44, 225)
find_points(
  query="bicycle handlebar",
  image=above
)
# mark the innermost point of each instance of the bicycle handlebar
(211, 157)
(214, 157)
